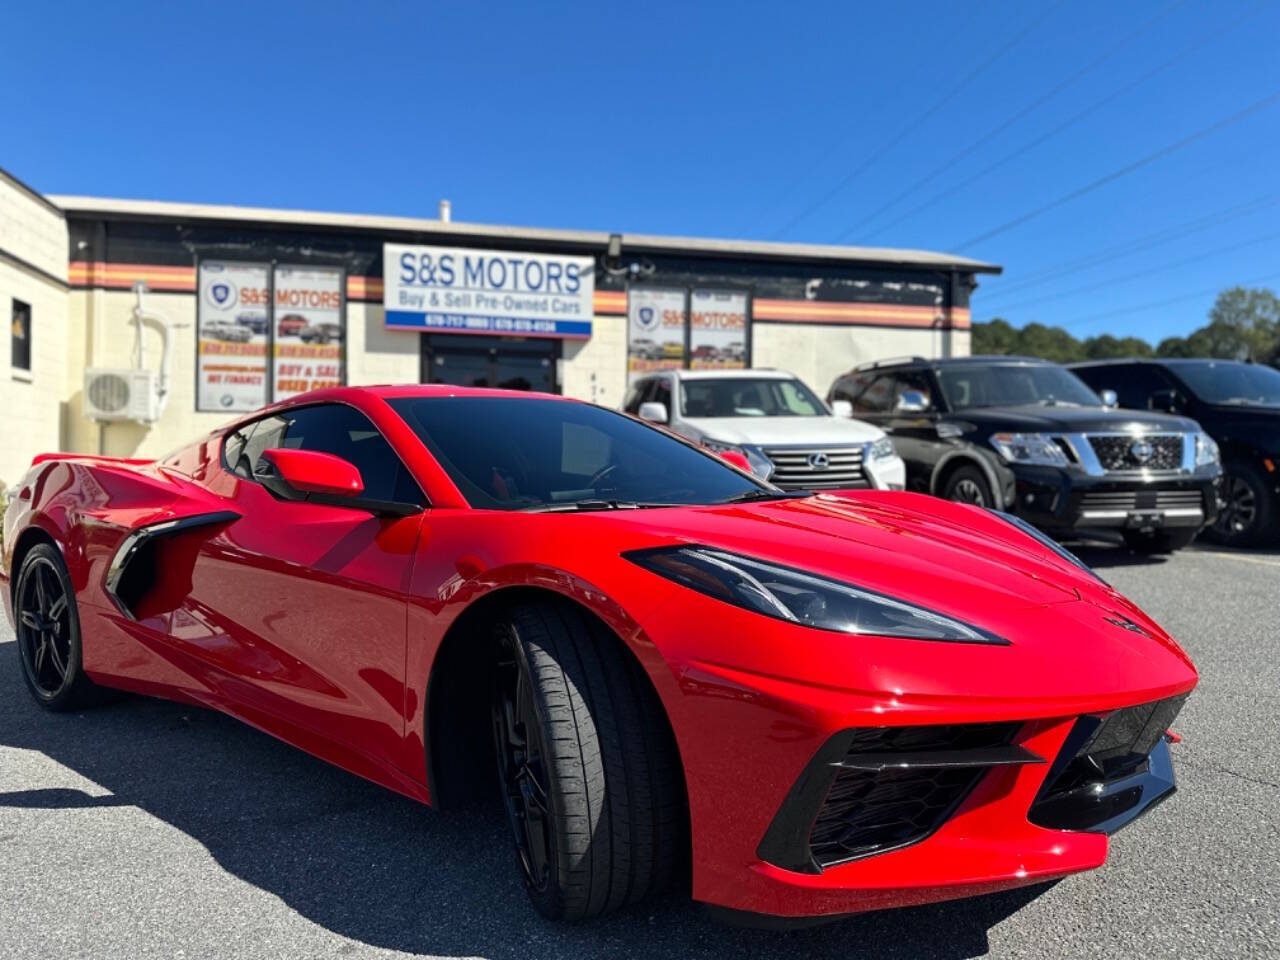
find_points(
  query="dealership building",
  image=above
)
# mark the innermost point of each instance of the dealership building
(138, 325)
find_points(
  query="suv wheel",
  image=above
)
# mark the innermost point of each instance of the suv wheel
(968, 485)
(1246, 508)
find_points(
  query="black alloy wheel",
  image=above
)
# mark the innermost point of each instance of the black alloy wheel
(47, 625)
(518, 741)
(968, 485)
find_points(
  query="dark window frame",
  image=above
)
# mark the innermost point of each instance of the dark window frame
(20, 353)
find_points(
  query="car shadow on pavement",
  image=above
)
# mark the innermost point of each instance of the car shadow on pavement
(380, 869)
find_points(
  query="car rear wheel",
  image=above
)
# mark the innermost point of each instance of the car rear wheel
(1246, 508)
(588, 770)
(47, 624)
(1159, 542)
(968, 485)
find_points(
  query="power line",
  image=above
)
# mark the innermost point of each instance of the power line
(1139, 308)
(1148, 241)
(1076, 291)
(910, 128)
(1010, 121)
(1122, 171)
(1064, 125)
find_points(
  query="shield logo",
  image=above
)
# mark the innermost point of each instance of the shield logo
(819, 461)
(221, 293)
(1141, 450)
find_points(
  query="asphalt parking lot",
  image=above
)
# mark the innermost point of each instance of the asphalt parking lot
(147, 829)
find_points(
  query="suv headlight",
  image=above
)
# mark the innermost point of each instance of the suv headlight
(1029, 448)
(761, 465)
(881, 449)
(803, 598)
(1206, 450)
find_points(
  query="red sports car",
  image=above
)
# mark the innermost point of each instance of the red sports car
(666, 669)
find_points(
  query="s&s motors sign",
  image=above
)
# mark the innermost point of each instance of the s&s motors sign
(464, 290)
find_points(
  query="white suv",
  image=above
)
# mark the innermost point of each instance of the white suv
(786, 433)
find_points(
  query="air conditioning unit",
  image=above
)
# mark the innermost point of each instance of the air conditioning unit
(127, 394)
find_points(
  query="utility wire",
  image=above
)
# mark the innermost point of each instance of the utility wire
(1122, 172)
(1161, 268)
(1031, 107)
(1139, 308)
(1064, 125)
(1052, 272)
(911, 127)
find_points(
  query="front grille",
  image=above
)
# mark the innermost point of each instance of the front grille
(1098, 777)
(1126, 500)
(1137, 452)
(796, 468)
(868, 811)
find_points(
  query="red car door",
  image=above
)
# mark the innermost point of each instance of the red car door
(299, 609)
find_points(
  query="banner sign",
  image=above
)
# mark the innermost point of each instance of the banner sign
(463, 290)
(717, 330)
(655, 330)
(308, 329)
(231, 336)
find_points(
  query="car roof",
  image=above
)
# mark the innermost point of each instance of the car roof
(1158, 361)
(899, 363)
(712, 374)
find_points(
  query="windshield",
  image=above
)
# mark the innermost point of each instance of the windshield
(518, 453)
(1011, 385)
(744, 397)
(1229, 382)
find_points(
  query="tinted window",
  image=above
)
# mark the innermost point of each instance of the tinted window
(1229, 382)
(662, 394)
(509, 453)
(20, 336)
(904, 380)
(342, 431)
(748, 397)
(1013, 384)
(1134, 383)
(635, 396)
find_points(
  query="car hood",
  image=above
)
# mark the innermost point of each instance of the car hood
(1037, 418)
(777, 431)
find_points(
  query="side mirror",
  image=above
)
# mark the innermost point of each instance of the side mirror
(911, 401)
(309, 471)
(654, 412)
(1109, 399)
(842, 408)
(737, 459)
(1166, 400)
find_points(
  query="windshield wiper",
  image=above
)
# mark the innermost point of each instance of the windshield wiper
(576, 506)
(751, 496)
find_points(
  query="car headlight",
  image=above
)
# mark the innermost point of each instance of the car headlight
(1206, 450)
(1029, 448)
(803, 598)
(760, 465)
(881, 449)
(1050, 543)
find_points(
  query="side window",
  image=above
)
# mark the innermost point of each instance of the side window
(662, 394)
(1134, 384)
(344, 432)
(871, 394)
(233, 452)
(916, 380)
(635, 396)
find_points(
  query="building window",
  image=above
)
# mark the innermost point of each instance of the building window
(20, 336)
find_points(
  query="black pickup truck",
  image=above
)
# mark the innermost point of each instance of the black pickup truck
(1029, 437)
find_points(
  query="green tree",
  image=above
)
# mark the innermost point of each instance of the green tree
(996, 336)
(1107, 347)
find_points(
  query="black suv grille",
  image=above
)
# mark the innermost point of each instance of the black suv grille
(1097, 778)
(1162, 452)
(869, 811)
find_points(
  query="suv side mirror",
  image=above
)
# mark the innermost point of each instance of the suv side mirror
(842, 408)
(654, 412)
(1109, 399)
(911, 401)
(1166, 400)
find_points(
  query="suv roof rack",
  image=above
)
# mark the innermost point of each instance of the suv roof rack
(888, 362)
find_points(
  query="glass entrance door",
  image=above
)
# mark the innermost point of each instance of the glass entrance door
(510, 363)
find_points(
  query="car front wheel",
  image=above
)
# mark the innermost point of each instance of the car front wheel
(1246, 511)
(969, 485)
(587, 765)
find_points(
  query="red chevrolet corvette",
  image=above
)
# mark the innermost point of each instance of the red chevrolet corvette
(667, 669)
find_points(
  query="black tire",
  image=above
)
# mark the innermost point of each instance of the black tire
(1247, 511)
(968, 484)
(1159, 542)
(597, 781)
(47, 624)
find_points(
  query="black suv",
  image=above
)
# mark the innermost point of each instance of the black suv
(1027, 436)
(1238, 404)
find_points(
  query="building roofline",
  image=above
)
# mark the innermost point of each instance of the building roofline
(157, 209)
(31, 192)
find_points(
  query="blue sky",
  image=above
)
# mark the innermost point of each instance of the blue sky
(798, 122)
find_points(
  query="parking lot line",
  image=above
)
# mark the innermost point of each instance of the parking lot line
(1264, 561)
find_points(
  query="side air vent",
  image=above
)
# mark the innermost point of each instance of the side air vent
(137, 567)
(871, 790)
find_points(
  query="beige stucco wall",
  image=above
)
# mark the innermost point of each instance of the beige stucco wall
(31, 401)
(819, 354)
